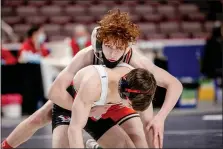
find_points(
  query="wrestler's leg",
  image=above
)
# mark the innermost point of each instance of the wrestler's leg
(107, 133)
(60, 137)
(115, 137)
(60, 123)
(30, 125)
(134, 128)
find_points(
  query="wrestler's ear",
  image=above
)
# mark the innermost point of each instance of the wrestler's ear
(93, 38)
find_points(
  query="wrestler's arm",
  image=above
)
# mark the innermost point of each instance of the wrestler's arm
(146, 116)
(58, 91)
(164, 79)
(80, 112)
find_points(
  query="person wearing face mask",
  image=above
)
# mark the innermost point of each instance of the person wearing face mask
(80, 40)
(111, 44)
(32, 49)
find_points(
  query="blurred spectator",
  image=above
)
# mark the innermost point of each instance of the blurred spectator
(81, 39)
(7, 58)
(8, 34)
(33, 48)
(212, 58)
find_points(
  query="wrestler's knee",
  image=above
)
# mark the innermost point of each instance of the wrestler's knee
(71, 130)
(124, 142)
(127, 143)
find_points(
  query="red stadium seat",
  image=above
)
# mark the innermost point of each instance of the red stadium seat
(175, 2)
(129, 2)
(191, 27)
(61, 2)
(68, 28)
(188, 9)
(152, 17)
(75, 10)
(51, 10)
(60, 19)
(7, 11)
(203, 35)
(135, 18)
(98, 17)
(92, 26)
(147, 28)
(144, 10)
(84, 19)
(11, 20)
(152, 2)
(26, 11)
(122, 8)
(169, 27)
(209, 26)
(85, 2)
(108, 2)
(37, 3)
(57, 38)
(178, 35)
(166, 9)
(198, 16)
(95, 10)
(35, 20)
(14, 3)
(21, 28)
(52, 29)
(155, 36)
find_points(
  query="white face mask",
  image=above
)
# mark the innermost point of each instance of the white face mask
(41, 38)
(82, 40)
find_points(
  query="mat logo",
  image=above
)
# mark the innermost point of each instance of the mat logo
(65, 118)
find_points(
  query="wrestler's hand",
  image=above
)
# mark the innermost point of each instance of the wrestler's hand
(157, 126)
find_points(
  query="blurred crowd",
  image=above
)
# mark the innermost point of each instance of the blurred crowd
(33, 47)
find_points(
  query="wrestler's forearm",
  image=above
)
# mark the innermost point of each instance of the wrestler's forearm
(173, 93)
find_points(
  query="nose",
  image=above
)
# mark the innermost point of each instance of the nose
(114, 54)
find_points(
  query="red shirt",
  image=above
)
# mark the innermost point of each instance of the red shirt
(29, 46)
(75, 47)
(8, 57)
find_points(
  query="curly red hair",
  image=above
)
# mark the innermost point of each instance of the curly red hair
(117, 29)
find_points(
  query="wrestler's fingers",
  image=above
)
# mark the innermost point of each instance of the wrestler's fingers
(161, 139)
(155, 138)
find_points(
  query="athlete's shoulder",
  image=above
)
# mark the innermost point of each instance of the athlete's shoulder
(89, 74)
(90, 80)
(88, 49)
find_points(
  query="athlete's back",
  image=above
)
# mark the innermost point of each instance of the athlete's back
(90, 75)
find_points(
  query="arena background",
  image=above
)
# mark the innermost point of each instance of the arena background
(173, 35)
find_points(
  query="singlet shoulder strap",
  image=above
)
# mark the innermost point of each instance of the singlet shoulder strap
(128, 56)
(104, 84)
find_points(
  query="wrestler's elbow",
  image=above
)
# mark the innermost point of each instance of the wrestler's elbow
(54, 91)
(177, 85)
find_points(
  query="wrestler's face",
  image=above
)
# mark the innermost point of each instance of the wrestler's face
(111, 52)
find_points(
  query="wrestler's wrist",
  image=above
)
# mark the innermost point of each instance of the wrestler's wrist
(162, 115)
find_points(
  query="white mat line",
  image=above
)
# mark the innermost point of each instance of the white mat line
(217, 117)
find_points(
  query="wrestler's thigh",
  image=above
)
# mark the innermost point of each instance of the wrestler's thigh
(60, 137)
(134, 128)
(115, 137)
